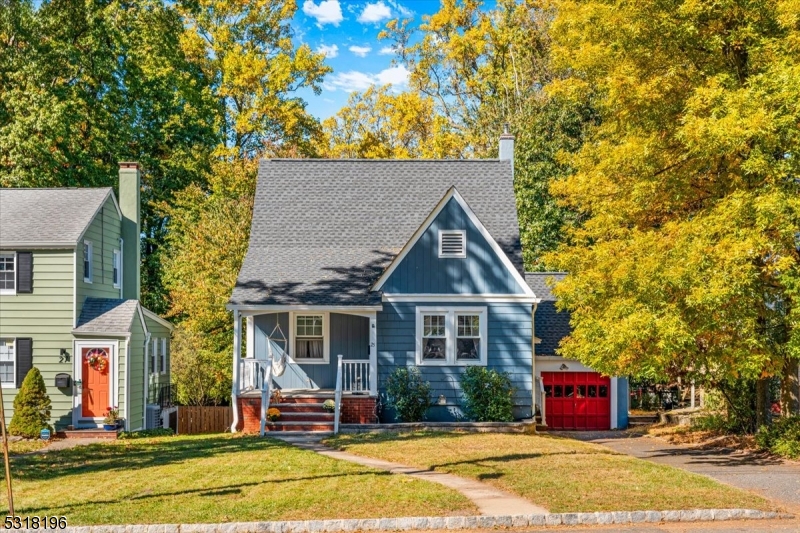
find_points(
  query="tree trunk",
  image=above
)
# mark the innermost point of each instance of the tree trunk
(790, 389)
(762, 403)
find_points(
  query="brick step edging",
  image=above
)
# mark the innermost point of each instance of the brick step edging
(438, 522)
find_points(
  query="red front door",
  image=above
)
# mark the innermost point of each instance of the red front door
(96, 369)
(577, 400)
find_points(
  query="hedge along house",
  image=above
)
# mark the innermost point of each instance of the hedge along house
(385, 264)
(69, 303)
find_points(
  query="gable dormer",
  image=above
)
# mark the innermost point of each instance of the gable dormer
(452, 253)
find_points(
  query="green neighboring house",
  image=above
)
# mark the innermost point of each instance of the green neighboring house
(69, 304)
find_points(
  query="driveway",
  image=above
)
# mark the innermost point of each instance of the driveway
(773, 478)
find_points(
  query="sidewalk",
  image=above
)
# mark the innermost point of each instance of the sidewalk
(489, 500)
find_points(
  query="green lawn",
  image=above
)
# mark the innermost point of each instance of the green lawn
(560, 474)
(214, 479)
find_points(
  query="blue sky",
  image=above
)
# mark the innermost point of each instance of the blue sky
(347, 33)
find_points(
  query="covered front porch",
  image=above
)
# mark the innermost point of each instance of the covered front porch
(309, 354)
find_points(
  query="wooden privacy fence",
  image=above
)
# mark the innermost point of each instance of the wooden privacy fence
(203, 419)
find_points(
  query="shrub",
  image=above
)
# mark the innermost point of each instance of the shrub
(408, 394)
(31, 407)
(488, 395)
(781, 438)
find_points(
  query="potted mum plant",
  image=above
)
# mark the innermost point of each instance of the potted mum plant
(112, 419)
(273, 414)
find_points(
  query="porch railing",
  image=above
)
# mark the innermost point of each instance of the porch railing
(355, 375)
(252, 372)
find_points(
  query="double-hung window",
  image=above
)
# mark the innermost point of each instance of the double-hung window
(87, 261)
(117, 270)
(309, 334)
(8, 273)
(7, 361)
(451, 336)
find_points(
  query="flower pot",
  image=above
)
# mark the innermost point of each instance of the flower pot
(110, 427)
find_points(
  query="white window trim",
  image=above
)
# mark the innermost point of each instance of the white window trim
(12, 385)
(463, 233)
(326, 338)
(116, 259)
(11, 292)
(91, 262)
(163, 355)
(154, 357)
(450, 334)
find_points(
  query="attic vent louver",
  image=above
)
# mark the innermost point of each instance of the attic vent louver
(453, 243)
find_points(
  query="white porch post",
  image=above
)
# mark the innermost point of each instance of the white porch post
(237, 357)
(250, 344)
(373, 354)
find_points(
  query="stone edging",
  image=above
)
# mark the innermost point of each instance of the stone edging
(438, 522)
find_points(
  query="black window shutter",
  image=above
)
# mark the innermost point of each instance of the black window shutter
(24, 272)
(24, 359)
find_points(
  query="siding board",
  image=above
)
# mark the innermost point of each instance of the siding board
(509, 350)
(423, 272)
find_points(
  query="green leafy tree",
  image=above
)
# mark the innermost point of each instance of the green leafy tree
(84, 85)
(687, 263)
(482, 67)
(31, 407)
(246, 52)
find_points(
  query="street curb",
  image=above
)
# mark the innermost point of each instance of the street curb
(440, 522)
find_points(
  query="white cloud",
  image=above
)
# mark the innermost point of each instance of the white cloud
(397, 76)
(360, 51)
(387, 51)
(329, 51)
(400, 8)
(375, 13)
(354, 80)
(327, 12)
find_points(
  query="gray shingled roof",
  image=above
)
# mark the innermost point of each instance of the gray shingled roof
(324, 230)
(106, 315)
(550, 325)
(47, 217)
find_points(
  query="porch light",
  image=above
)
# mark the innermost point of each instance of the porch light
(63, 356)
(563, 367)
(442, 400)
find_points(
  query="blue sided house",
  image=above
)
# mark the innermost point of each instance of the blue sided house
(358, 267)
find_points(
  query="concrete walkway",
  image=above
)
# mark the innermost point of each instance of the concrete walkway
(489, 500)
(773, 478)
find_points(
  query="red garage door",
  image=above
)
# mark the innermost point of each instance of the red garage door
(577, 400)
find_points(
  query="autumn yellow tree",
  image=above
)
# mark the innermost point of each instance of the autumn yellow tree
(379, 123)
(687, 264)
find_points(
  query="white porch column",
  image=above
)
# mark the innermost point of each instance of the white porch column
(373, 354)
(250, 343)
(237, 357)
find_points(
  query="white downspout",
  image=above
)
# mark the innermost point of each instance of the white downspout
(146, 378)
(237, 356)
(533, 368)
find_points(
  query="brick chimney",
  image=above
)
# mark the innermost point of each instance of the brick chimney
(129, 203)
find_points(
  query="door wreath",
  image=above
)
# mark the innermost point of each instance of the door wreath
(97, 359)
